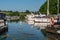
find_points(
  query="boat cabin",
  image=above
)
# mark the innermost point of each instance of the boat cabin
(2, 18)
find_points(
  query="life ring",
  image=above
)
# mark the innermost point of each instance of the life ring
(52, 21)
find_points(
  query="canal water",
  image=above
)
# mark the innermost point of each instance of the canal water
(22, 31)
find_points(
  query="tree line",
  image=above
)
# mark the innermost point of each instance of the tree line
(52, 7)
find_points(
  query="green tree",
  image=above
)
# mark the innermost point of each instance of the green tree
(27, 11)
(11, 13)
(52, 7)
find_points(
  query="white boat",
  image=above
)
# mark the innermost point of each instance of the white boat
(41, 19)
(44, 20)
(30, 17)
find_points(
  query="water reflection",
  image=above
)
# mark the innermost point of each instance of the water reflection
(22, 31)
(42, 26)
(3, 35)
(38, 25)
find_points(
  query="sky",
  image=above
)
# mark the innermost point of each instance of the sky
(21, 5)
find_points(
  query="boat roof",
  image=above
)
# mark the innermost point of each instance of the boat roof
(2, 13)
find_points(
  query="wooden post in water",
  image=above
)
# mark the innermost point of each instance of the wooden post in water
(47, 7)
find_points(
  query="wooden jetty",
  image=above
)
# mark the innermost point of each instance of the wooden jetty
(52, 37)
(53, 29)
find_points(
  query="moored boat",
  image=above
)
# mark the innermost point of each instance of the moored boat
(3, 23)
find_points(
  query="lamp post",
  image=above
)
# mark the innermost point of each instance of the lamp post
(47, 7)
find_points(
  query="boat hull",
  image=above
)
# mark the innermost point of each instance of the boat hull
(3, 29)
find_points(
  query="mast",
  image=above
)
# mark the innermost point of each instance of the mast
(57, 6)
(47, 7)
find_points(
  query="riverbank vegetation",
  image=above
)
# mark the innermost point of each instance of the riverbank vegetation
(17, 13)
